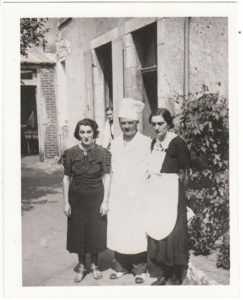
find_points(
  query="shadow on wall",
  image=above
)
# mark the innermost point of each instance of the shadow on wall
(38, 185)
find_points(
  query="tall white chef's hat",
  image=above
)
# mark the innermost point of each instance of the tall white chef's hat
(130, 109)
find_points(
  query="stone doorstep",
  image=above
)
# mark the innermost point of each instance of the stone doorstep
(197, 277)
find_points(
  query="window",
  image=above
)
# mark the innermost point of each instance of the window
(28, 74)
(145, 40)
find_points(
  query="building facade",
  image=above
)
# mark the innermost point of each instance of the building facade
(159, 61)
(98, 61)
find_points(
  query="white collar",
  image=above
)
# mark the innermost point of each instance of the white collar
(163, 145)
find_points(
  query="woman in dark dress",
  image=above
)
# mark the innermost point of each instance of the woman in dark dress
(86, 167)
(167, 229)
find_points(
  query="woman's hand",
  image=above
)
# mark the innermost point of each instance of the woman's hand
(66, 207)
(104, 208)
(67, 210)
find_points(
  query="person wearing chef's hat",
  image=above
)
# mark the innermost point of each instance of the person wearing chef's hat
(126, 234)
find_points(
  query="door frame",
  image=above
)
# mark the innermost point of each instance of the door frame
(35, 81)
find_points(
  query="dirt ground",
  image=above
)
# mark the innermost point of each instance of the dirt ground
(45, 261)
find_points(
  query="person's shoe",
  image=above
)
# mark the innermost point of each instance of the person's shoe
(160, 281)
(140, 278)
(175, 280)
(81, 271)
(116, 275)
(169, 281)
(97, 274)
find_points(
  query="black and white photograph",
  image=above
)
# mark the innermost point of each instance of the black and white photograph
(125, 172)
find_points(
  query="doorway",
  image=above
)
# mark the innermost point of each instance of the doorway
(29, 124)
(150, 96)
(104, 56)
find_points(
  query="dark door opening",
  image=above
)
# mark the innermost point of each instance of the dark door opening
(29, 125)
(104, 56)
(150, 100)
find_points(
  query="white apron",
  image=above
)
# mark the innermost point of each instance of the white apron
(126, 231)
(162, 198)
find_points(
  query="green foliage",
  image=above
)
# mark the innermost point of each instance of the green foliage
(204, 126)
(223, 260)
(211, 207)
(32, 33)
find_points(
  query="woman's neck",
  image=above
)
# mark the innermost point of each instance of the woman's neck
(86, 147)
(162, 137)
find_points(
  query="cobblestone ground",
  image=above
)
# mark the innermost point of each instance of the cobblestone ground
(45, 260)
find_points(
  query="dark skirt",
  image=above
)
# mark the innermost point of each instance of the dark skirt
(86, 231)
(172, 250)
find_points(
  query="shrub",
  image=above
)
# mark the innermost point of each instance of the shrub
(223, 260)
(204, 126)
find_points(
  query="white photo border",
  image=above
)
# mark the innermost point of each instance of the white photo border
(12, 256)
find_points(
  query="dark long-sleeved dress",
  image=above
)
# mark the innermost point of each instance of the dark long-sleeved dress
(173, 250)
(86, 231)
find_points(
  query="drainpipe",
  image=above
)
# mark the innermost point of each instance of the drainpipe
(186, 57)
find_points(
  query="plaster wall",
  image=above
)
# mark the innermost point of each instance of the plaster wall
(170, 40)
(208, 54)
(200, 51)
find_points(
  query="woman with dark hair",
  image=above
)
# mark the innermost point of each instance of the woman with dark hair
(167, 213)
(86, 184)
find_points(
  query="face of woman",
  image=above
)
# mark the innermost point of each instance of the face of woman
(159, 125)
(86, 135)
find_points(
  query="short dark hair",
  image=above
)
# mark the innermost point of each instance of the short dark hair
(109, 108)
(86, 122)
(165, 113)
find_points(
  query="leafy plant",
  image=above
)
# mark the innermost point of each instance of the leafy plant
(204, 126)
(32, 33)
(223, 260)
(211, 215)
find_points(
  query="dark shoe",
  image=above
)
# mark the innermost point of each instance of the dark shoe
(140, 278)
(169, 281)
(160, 281)
(117, 275)
(97, 274)
(175, 280)
(81, 271)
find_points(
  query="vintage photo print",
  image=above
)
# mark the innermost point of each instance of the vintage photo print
(120, 149)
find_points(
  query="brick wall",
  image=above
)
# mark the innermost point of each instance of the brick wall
(49, 112)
